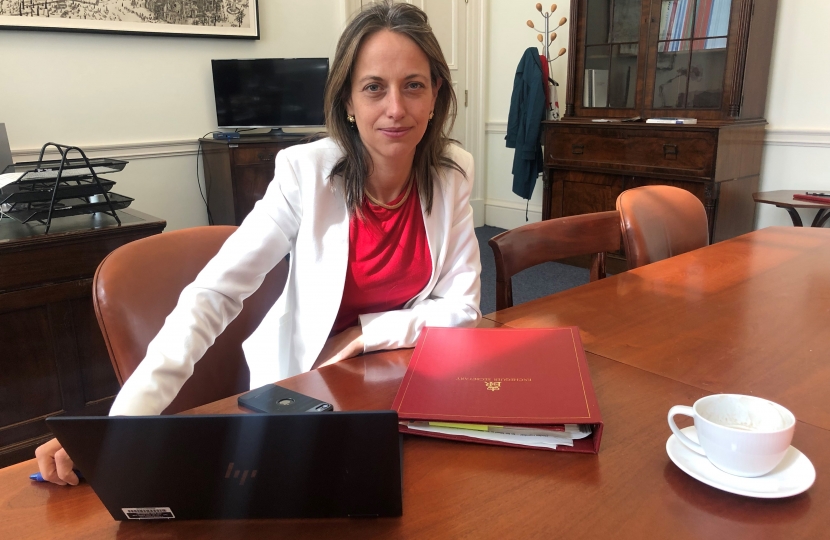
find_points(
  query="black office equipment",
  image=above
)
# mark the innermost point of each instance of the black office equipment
(48, 189)
(275, 399)
(225, 135)
(342, 464)
(270, 92)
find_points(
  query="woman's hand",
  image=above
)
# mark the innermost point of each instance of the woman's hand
(54, 464)
(346, 344)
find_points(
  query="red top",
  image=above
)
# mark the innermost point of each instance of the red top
(389, 260)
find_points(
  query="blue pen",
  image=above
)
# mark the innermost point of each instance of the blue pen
(37, 477)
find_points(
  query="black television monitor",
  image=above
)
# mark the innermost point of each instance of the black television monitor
(270, 92)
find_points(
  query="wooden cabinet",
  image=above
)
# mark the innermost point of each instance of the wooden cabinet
(703, 59)
(237, 173)
(587, 165)
(53, 359)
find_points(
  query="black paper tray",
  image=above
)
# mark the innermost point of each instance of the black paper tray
(70, 207)
(73, 168)
(42, 192)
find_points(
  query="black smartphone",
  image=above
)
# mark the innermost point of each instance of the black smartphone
(276, 399)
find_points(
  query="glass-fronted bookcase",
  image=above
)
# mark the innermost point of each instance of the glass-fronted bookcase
(702, 59)
(655, 58)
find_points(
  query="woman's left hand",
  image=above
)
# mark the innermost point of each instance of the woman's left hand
(346, 344)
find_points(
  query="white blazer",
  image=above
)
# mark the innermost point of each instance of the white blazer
(304, 213)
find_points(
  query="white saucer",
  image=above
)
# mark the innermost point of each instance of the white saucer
(794, 475)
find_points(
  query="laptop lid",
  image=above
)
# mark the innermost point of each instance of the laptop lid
(5, 151)
(339, 464)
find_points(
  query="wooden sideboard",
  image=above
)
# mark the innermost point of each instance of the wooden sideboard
(588, 164)
(237, 173)
(53, 359)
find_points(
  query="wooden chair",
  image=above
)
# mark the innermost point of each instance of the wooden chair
(536, 243)
(137, 286)
(659, 222)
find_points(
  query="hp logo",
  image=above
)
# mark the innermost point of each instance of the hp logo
(236, 474)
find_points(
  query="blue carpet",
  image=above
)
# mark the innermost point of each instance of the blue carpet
(535, 282)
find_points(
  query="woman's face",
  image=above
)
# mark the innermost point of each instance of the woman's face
(391, 97)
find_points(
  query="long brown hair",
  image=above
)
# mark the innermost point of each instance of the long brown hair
(431, 152)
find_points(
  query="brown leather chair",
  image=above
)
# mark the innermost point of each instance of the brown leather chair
(137, 286)
(536, 243)
(659, 222)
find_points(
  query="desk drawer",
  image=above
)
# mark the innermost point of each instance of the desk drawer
(250, 154)
(60, 258)
(672, 152)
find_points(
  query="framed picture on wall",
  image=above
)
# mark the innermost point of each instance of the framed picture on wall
(195, 18)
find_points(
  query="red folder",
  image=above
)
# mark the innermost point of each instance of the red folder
(535, 377)
(812, 198)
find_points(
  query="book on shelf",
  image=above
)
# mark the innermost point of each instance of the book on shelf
(813, 197)
(682, 19)
(527, 388)
(671, 120)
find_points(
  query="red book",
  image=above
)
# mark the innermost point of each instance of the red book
(812, 198)
(527, 378)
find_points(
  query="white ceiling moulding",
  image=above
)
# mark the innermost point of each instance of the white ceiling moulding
(134, 150)
(513, 205)
(774, 136)
(495, 127)
(798, 137)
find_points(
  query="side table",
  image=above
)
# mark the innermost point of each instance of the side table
(784, 199)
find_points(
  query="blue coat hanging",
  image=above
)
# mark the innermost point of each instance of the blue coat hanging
(524, 123)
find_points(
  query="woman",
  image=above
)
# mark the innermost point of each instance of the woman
(376, 218)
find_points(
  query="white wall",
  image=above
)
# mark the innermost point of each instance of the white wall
(145, 98)
(797, 148)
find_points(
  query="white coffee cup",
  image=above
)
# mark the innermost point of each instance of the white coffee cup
(741, 435)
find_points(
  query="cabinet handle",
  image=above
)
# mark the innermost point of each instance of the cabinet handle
(577, 148)
(265, 156)
(670, 151)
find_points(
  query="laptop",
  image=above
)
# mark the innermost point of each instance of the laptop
(304, 465)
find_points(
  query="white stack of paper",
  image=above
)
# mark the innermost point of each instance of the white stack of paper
(540, 438)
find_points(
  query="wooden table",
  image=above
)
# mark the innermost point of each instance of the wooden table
(631, 489)
(784, 199)
(748, 315)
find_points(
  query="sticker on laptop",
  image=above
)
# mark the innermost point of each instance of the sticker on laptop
(150, 512)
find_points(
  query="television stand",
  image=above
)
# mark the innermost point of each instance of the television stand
(237, 171)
